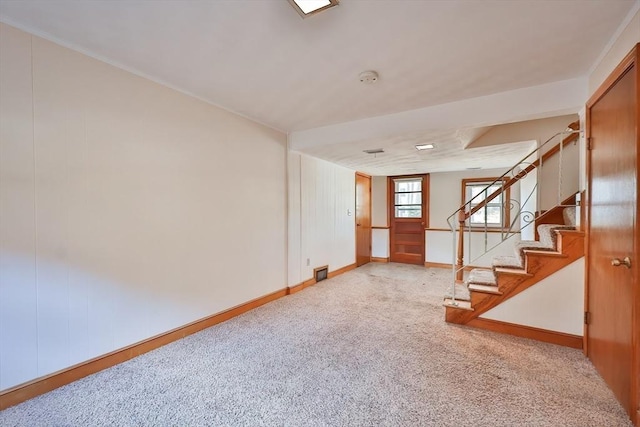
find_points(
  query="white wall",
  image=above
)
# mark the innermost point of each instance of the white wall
(380, 243)
(445, 192)
(379, 217)
(479, 248)
(556, 303)
(626, 38)
(559, 174)
(294, 263)
(324, 211)
(127, 209)
(379, 211)
(445, 196)
(529, 202)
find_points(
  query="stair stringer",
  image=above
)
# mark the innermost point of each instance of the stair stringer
(538, 265)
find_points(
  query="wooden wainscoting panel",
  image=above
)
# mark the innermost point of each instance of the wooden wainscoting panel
(31, 389)
(379, 259)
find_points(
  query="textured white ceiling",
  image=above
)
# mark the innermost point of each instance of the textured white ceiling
(400, 156)
(260, 59)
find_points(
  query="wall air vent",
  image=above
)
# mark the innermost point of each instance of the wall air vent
(321, 273)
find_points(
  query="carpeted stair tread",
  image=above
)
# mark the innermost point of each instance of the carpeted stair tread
(505, 261)
(523, 245)
(532, 244)
(487, 289)
(462, 293)
(481, 276)
(464, 305)
(569, 216)
(547, 253)
(517, 271)
(547, 233)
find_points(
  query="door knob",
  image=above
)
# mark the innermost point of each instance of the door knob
(616, 262)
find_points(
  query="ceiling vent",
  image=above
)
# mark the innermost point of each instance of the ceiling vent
(374, 151)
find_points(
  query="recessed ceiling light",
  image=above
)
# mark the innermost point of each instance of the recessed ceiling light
(309, 7)
(425, 147)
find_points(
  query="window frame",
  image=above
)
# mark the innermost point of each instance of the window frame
(391, 200)
(504, 204)
(415, 205)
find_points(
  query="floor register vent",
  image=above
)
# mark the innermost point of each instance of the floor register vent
(321, 273)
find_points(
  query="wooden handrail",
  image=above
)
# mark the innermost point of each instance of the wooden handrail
(507, 184)
(463, 216)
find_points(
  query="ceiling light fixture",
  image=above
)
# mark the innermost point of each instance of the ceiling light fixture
(421, 147)
(311, 7)
(374, 151)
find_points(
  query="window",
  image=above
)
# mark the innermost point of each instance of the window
(495, 213)
(408, 197)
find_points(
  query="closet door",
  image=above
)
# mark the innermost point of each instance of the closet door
(612, 285)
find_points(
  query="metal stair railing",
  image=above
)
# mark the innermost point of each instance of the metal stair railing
(460, 220)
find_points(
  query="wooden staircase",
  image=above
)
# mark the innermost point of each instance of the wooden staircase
(508, 281)
(558, 244)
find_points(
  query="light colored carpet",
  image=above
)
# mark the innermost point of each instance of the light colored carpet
(367, 348)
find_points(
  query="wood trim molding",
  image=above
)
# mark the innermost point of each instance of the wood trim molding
(31, 389)
(544, 335)
(429, 264)
(310, 282)
(473, 230)
(38, 386)
(300, 286)
(583, 210)
(380, 227)
(379, 259)
(342, 270)
(437, 265)
(627, 62)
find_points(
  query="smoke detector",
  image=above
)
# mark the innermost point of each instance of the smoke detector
(368, 77)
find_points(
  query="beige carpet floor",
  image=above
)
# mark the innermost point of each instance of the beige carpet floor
(367, 348)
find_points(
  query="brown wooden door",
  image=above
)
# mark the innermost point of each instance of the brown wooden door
(408, 217)
(612, 293)
(363, 219)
